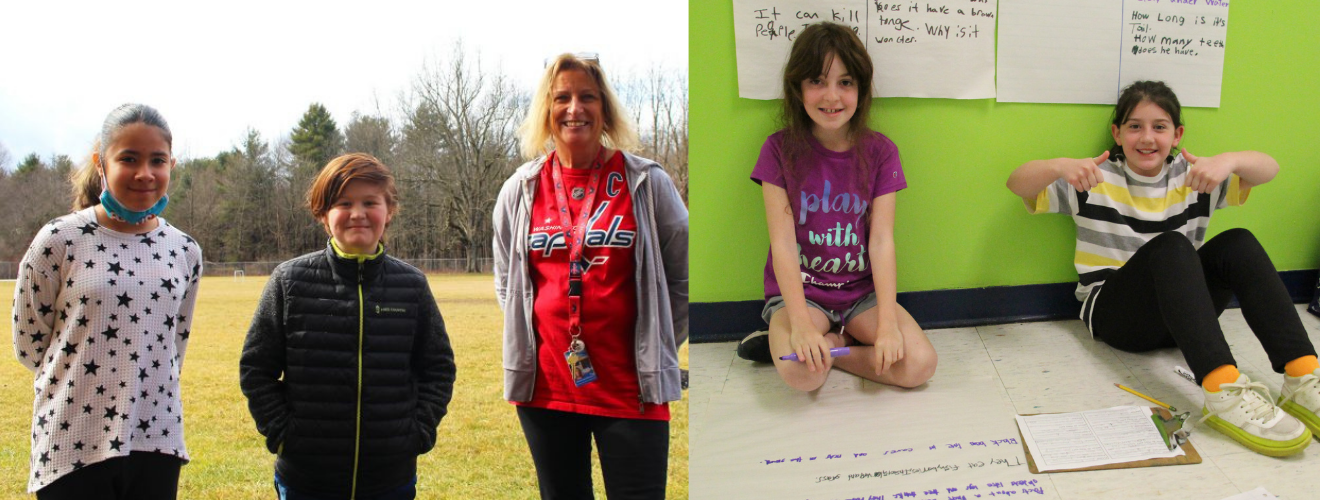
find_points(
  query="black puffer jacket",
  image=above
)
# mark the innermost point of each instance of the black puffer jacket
(309, 372)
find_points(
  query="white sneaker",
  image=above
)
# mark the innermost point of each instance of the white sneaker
(1242, 410)
(1301, 399)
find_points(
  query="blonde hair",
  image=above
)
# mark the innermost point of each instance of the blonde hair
(86, 181)
(617, 133)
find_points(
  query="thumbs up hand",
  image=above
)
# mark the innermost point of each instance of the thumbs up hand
(1084, 173)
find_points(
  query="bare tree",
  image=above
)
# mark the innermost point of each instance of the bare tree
(290, 179)
(478, 112)
(451, 144)
(33, 195)
(667, 135)
(5, 158)
(658, 104)
(197, 203)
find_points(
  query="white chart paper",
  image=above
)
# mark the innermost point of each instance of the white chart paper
(929, 48)
(1059, 51)
(1120, 434)
(1086, 51)
(954, 439)
(1181, 43)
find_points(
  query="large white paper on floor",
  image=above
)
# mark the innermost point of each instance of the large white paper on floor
(1259, 493)
(1082, 439)
(1086, 51)
(929, 48)
(861, 444)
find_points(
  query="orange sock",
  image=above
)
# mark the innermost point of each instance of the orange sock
(1304, 365)
(1225, 374)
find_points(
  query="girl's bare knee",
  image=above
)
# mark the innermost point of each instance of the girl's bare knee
(921, 368)
(802, 379)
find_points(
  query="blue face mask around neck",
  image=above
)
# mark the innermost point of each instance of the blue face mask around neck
(119, 212)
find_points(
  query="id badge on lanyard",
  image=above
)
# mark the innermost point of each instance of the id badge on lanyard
(579, 363)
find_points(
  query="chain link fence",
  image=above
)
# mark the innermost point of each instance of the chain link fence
(9, 270)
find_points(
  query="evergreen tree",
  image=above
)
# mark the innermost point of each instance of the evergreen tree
(31, 163)
(420, 159)
(316, 139)
(372, 135)
(250, 191)
(314, 142)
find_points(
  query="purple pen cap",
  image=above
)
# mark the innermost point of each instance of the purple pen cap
(834, 353)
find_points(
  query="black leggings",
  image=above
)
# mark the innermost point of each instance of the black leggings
(1170, 294)
(634, 454)
(140, 475)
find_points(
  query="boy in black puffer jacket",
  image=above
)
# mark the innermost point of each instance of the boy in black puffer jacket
(347, 367)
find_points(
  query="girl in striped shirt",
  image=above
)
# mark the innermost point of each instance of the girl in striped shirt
(1148, 279)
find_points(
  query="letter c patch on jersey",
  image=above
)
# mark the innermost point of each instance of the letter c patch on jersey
(610, 188)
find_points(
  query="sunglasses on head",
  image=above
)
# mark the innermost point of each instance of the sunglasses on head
(584, 56)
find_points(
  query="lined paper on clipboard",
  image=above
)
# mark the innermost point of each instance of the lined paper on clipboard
(1121, 434)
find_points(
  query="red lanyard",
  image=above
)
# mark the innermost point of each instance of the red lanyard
(574, 234)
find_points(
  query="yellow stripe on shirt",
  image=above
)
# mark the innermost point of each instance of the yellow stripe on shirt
(1237, 195)
(1042, 202)
(1092, 260)
(1150, 205)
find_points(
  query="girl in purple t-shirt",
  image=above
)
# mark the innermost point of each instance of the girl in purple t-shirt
(829, 185)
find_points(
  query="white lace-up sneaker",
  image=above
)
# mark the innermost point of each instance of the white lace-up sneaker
(1301, 399)
(1243, 411)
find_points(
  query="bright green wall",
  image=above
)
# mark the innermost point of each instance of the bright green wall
(957, 225)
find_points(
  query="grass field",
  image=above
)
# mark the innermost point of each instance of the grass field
(482, 452)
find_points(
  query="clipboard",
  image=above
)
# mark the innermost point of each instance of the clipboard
(1190, 457)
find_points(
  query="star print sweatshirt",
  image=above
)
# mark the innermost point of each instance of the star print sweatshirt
(102, 319)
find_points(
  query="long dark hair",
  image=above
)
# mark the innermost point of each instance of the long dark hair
(810, 53)
(1158, 94)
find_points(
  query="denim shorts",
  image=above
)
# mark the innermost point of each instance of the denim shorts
(837, 318)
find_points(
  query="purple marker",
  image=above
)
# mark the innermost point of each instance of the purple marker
(834, 353)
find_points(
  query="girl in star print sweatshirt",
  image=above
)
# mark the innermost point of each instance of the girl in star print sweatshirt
(102, 313)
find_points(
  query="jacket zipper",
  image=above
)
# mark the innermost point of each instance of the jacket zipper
(637, 339)
(357, 429)
(529, 185)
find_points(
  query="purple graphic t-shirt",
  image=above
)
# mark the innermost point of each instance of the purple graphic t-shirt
(831, 215)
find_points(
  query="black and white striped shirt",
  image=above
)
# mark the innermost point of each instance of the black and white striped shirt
(1128, 209)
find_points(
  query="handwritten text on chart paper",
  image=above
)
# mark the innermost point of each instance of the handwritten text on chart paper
(990, 489)
(889, 22)
(833, 456)
(1146, 31)
(1063, 50)
(996, 489)
(927, 48)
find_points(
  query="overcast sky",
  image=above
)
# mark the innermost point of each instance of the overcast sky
(218, 69)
